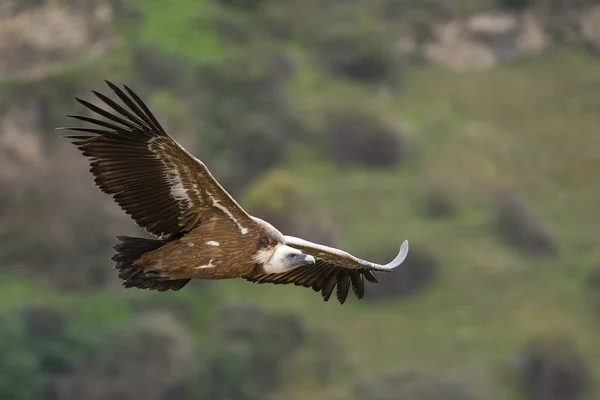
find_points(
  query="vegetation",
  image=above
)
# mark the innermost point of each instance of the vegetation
(554, 368)
(295, 117)
(412, 385)
(416, 273)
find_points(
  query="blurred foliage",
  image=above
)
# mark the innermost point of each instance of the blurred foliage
(363, 53)
(187, 22)
(419, 270)
(438, 201)
(554, 368)
(412, 385)
(520, 228)
(143, 359)
(250, 124)
(61, 237)
(265, 87)
(362, 138)
(279, 199)
(248, 356)
(516, 4)
(38, 346)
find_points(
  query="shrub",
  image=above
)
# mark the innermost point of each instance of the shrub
(416, 11)
(279, 333)
(516, 4)
(554, 368)
(250, 125)
(249, 359)
(38, 346)
(519, 227)
(58, 212)
(438, 202)
(156, 68)
(359, 52)
(594, 277)
(246, 5)
(414, 275)
(413, 385)
(329, 358)
(358, 137)
(144, 360)
(279, 199)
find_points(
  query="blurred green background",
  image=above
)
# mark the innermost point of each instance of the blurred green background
(469, 127)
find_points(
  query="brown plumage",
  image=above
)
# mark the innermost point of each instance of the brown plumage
(202, 232)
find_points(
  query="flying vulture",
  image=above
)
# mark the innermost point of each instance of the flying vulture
(201, 231)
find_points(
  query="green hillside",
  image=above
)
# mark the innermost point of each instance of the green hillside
(473, 141)
(489, 299)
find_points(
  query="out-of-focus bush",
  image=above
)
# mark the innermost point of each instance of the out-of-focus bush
(156, 68)
(594, 277)
(593, 285)
(362, 52)
(437, 201)
(38, 346)
(250, 124)
(413, 385)
(516, 4)
(359, 137)
(56, 228)
(554, 368)
(275, 336)
(249, 358)
(418, 270)
(517, 225)
(143, 361)
(247, 5)
(329, 358)
(411, 11)
(279, 198)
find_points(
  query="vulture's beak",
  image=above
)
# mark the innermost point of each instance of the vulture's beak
(309, 260)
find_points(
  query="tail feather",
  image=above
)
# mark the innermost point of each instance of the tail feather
(130, 249)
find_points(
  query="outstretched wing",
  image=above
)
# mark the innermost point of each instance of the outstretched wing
(157, 182)
(333, 268)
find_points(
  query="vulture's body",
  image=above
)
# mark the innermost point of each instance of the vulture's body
(202, 232)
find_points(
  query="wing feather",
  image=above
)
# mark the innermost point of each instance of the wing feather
(157, 182)
(333, 268)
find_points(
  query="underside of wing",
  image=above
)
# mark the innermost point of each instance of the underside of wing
(159, 184)
(334, 269)
(322, 277)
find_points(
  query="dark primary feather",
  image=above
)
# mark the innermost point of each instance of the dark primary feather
(322, 277)
(136, 161)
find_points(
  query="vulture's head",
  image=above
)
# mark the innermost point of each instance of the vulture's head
(286, 258)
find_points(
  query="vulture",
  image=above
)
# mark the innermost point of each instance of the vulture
(200, 231)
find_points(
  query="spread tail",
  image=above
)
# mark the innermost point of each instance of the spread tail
(130, 249)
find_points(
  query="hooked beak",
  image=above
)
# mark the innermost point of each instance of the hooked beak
(309, 260)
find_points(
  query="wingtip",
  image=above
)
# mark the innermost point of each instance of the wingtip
(111, 85)
(402, 253)
(404, 246)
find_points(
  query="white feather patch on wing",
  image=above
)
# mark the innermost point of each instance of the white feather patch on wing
(212, 243)
(217, 204)
(178, 191)
(209, 265)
